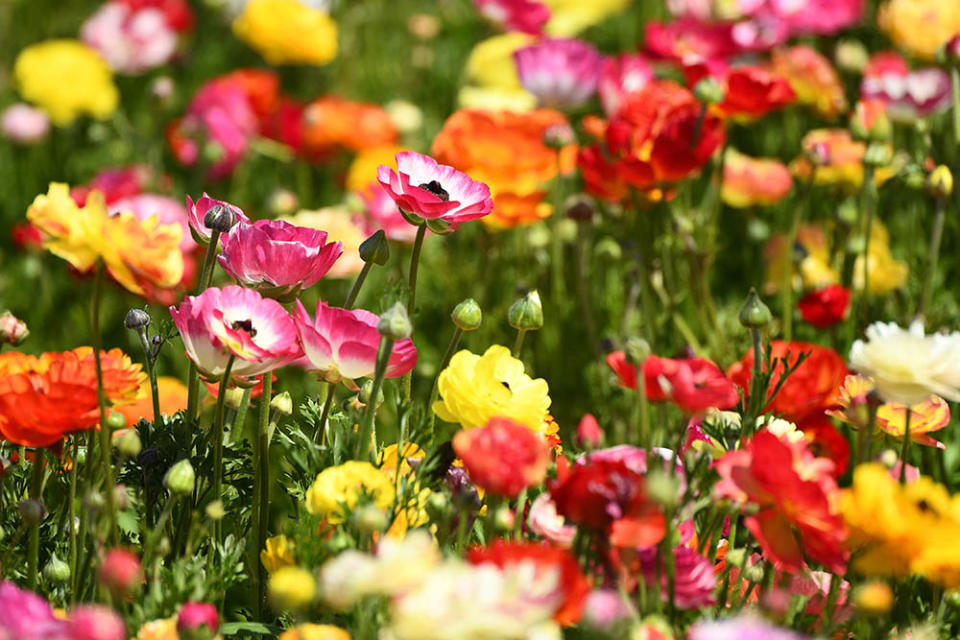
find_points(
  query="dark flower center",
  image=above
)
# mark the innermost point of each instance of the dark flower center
(436, 189)
(246, 325)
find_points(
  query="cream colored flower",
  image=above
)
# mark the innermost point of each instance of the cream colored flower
(341, 226)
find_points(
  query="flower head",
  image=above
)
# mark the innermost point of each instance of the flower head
(22, 124)
(337, 490)
(287, 32)
(561, 73)
(95, 622)
(694, 578)
(197, 212)
(526, 16)
(920, 27)
(825, 307)
(620, 77)
(743, 628)
(131, 39)
(750, 182)
(813, 79)
(196, 615)
(503, 457)
(24, 614)
(753, 92)
(331, 123)
(277, 553)
(548, 524)
(693, 384)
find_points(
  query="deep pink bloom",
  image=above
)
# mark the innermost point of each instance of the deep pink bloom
(115, 184)
(24, 124)
(909, 95)
(194, 615)
(562, 73)
(621, 76)
(743, 628)
(278, 258)
(527, 16)
(95, 622)
(693, 384)
(240, 322)
(423, 188)
(688, 41)
(694, 579)
(341, 344)
(168, 210)
(197, 210)
(24, 614)
(589, 433)
(120, 571)
(130, 40)
(383, 213)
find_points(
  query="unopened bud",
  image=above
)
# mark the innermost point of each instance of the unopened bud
(636, 350)
(395, 323)
(180, 478)
(940, 183)
(526, 314)
(558, 136)
(818, 154)
(663, 488)
(128, 443)
(369, 519)
(136, 319)
(94, 500)
(13, 331)
(120, 571)
(121, 499)
(579, 208)
(375, 249)
(754, 314)
(282, 403)
(162, 90)
(504, 519)
(870, 122)
(877, 155)
(709, 91)
(467, 315)
(56, 570)
(889, 458)
(589, 433)
(197, 620)
(233, 397)
(607, 248)
(31, 511)
(215, 510)
(116, 420)
(949, 53)
(852, 56)
(219, 218)
(366, 390)
(735, 557)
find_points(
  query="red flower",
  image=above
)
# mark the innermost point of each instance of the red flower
(601, 176)
(546, 559)
(808, 390)
(503, 457)
(178, 14)
(589, 433)
(693, 384)
(26, 236)
(689, 40)
(825, 441)
(825, 307)
(609, 496)
(752, 91)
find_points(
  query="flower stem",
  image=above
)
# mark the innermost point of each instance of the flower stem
(71, 513)
(414, 267)
(905, 451)
(105, 450)
(867, 206)
(152, 375)
(866, 435)
(263, 484)
(217, 434)
(193, 377)
(355, 289)
(367, 426)
(323, 431)
(932, 257)
(435, 390)
(787, 285)
(518, 343)
(36, 487)
(755, 403)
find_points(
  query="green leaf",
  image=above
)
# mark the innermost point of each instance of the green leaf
(233, 628)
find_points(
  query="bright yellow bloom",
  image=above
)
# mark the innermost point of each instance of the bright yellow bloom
(886, 273)
(492, 80)
(162, 629)
(475, 388)
(132, 249)
(341, 226)
(287, 32)
(920, 26)
(363, 169)
(309, 631)
(277, 553)
(292, 588)
(67, 79)
(570, 17)
(815, 271)
(873, 598)
(343, 486)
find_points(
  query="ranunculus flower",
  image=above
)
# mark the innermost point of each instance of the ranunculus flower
(503, 457)
(24, 614)
(278, 258)
(341, 344)
(341, 225)
(742, 628)
(195, 615)
(753, 92)
(544, 521)
(233, 321)
(908, 366)
(115, 183)
(526, 16)
(95, 622)
(604, 608)
(813, 78)
(131, 40)
(167, 210)
(337, 490)
(909, 95)
(920, 27)
(197, 210)
(825, 307)
(750, 182)
(694, 579)
(693, 384)
(621, 76)
(689, 41)
(423, 188)
(22, 124)
(331, 123)
(561, 73)
(287, 32)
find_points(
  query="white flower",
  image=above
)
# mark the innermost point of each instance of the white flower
(906, 365)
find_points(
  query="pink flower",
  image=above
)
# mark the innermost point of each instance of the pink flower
(422, 188)
(383, 213)
(168, 210)
(115, 184)
(239, 322)
(197, 210)
(195, 615)
(95, 622)
(120, 571)
(688, 41)
(561, 73)
(131, 41)
(620, 77)
(742, 628)
(24, 614)
(23, 124)
(909, 95)
(548, 524)
(589, 433)
(278, 258)
(694, 580)
(527, 16)
(341, 344)
(606, 607)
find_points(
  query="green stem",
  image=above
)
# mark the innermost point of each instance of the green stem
(152, 375)
(263, 482)
(105, 449)
(322, 435)
(414, 267)
(581, 266)
(367, 426)
(36, 488)
(518, 343)
(71, 514)
(796, 219)
(955, 77)
(755, 403)
(435, 390)
(193, 376)
(238, 422)
(905, 451)
(355, 289)
(867, 208)
(217, 434)
(866, 434)
(933, 255)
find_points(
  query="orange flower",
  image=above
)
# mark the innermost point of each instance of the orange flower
(749, 182)
(43, 398)
(843, 160)
(930, 415)
(506, 151)
(813, 79)
(173, 398)
(332, 122)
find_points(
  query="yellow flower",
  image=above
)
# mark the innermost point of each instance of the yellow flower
(341, 226)
(287, 32)
(475, 388)
(163, 629)
(73, 234)
(309, 631)
(292, 588)
(344, 485)
(277, 554)
(815, 270)
(67, 79)
(363, 169)
(570, 17)
(873, 598)
(886, 273)
(492, 80)
(920, 26)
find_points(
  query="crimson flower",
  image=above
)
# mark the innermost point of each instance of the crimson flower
(753, 92)
(693, 384)
(503, 457)
(825, 307)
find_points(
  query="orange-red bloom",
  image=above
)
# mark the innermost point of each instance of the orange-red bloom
(43, 398)
(332, 122)
(753, 92)
(693, 384)
(503, 457)
(825, 307)
(750, 182)
(812, 78)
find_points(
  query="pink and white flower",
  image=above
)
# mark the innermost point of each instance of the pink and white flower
(561, 73)
(548, 524)
(694, 579)
(24, 124)
(278, 258)
(909, 95)
(426, 190)
(527, 16)
(197, 210)
(238, 322)
(341, 344)
(621, 76)
(130, 40)
(383, 213)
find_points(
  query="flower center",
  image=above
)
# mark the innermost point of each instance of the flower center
(436, 189)
(246, 325)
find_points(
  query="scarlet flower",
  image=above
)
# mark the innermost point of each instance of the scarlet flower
(693, 384)
(825, 441)
(752, 91)
(503, 457)
(331, 122)
(545, 559)
(825, 307)
(808, 390)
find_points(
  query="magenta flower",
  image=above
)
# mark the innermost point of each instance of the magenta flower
(620, 77)
(909, 95)
(278, 258)
(743, 628)
(195, 615)
(561, 73)
(23, 124)
(240, 322)
(24, 614)
(426, 190)
(130, 40)
(197, 210)
(95, 622)
(528, 16)
(383, 213)
(694, 580)
(341, 344)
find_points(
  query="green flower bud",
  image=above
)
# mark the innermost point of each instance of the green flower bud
(636, 350)
(375, 249)
(754, 314)
(369, 519)
(467, 315)
(136, 319)
(735, 557)
(877, 154)
(852, 56)
(395, 323)
(180, 478)
(282, 403)
(219, 218)
(848, 211)
(504, 518)
(116, 420)
(608, 249)
(664, 488)
(215, 510)
(56, 570)
(366, 390)
(94, 500)
(31, 511)
(526, 314)
(709, 91)
(128, 443)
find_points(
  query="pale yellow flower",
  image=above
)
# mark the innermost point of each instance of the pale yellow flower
(287, 32)
(341, 226)
(308, 631)
(570, 17)
(292, 588)
(492, 80)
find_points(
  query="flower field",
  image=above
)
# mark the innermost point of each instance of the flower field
(479, 319)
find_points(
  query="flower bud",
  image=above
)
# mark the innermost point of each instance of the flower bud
(375, 249)
(870, 122)
(589, 433)
(579, 208)
(292, 588)
(180, 478)
(889, 458)
(940, 183)
(120, 571)
(136, 319)
(754, 314)
(818, 154)
(56, 570)
(852, 56)
(13, 331)
(877, 155)
(215, 510)
(753, 573)
(128, 443)
(395, 323)
(567, 229)
(607, 248)
(526, 314)
(504, 519)
(873, 598)
(116, 420)
(197, 620)
(949, 53)
(233, 397)
(636, 350)
(370, 519)
(709, 91)
(162, 90)
(467, 315)
(438, 505)
(31, 511)
(219, 218)
(366, 390)
(121, 499)
(663, 488)
(736, 557)
(282, 403)
(558, 136)
(94, 500)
